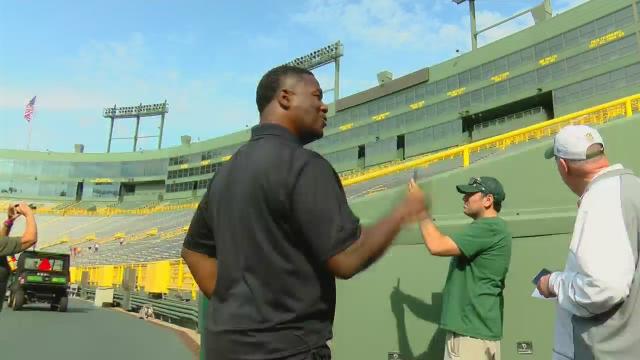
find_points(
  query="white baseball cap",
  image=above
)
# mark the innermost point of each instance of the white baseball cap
(572, 142)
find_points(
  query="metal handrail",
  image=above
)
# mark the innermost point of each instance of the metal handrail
(164, 307)
(624, 106)
(180, 279)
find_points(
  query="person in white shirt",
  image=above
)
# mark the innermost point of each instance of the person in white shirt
(598, 313)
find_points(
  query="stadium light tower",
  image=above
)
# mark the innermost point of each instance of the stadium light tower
(326, 55)
(540, 12)
(136, 112)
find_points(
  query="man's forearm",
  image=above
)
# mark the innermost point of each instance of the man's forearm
(30, 236)
(437, 243)
(378, 237)
(430, 234)
(4, 230)
(584, 295)
(204, 270)
(373, 241)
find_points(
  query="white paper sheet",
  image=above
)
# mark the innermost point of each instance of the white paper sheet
(536, 294)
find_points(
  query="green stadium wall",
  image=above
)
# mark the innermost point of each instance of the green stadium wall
(540, 211)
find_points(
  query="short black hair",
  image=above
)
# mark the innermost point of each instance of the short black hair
(270, 83)
(497, 205)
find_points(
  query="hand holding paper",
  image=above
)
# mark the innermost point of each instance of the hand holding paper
(543, 289)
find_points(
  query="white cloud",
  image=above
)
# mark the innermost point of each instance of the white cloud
(10, 98)
(222, 117)
(407, 25)
(564, 5)
(382, 23)
(104, 73)
(403, 24)
(89, 123)
(112, 58)
(487, 18)
(173, 75)
(184, 39)
(266, 42)
(325, 79)
(56, 99)
(431, 31)
(440, 5)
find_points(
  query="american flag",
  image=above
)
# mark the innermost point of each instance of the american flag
(28, 110)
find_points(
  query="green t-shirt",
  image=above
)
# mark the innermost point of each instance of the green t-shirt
(472, 301)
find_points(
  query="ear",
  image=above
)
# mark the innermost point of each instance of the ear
(285, 98)
(563, 167)
(487, 201)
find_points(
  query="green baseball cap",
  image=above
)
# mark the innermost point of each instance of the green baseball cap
(483, 184)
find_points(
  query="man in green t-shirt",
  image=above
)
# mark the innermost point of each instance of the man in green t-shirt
(473, 302)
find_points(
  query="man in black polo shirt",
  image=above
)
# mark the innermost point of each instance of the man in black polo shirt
(274, 230)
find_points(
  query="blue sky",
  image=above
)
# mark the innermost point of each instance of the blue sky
(205, 58)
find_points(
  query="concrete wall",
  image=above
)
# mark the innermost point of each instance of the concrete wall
(146, 191)
(540, 212)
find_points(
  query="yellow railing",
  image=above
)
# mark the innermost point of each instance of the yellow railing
(150, 232)
(595, 115)
(158, 277)
(173, 275)
(111, 211)
(600, 114)
(173, 233)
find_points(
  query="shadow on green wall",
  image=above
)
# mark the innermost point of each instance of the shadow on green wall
(424, 311)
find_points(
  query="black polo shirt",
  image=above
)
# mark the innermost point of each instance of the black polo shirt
(272, 217)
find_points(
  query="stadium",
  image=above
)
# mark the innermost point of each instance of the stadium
(123, 216)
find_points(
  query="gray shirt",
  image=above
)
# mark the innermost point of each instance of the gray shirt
(10, 245)
(599, 292)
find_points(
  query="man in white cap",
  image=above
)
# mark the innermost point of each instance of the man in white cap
(598, 315)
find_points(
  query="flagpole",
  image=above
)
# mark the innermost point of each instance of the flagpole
(29, 137)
